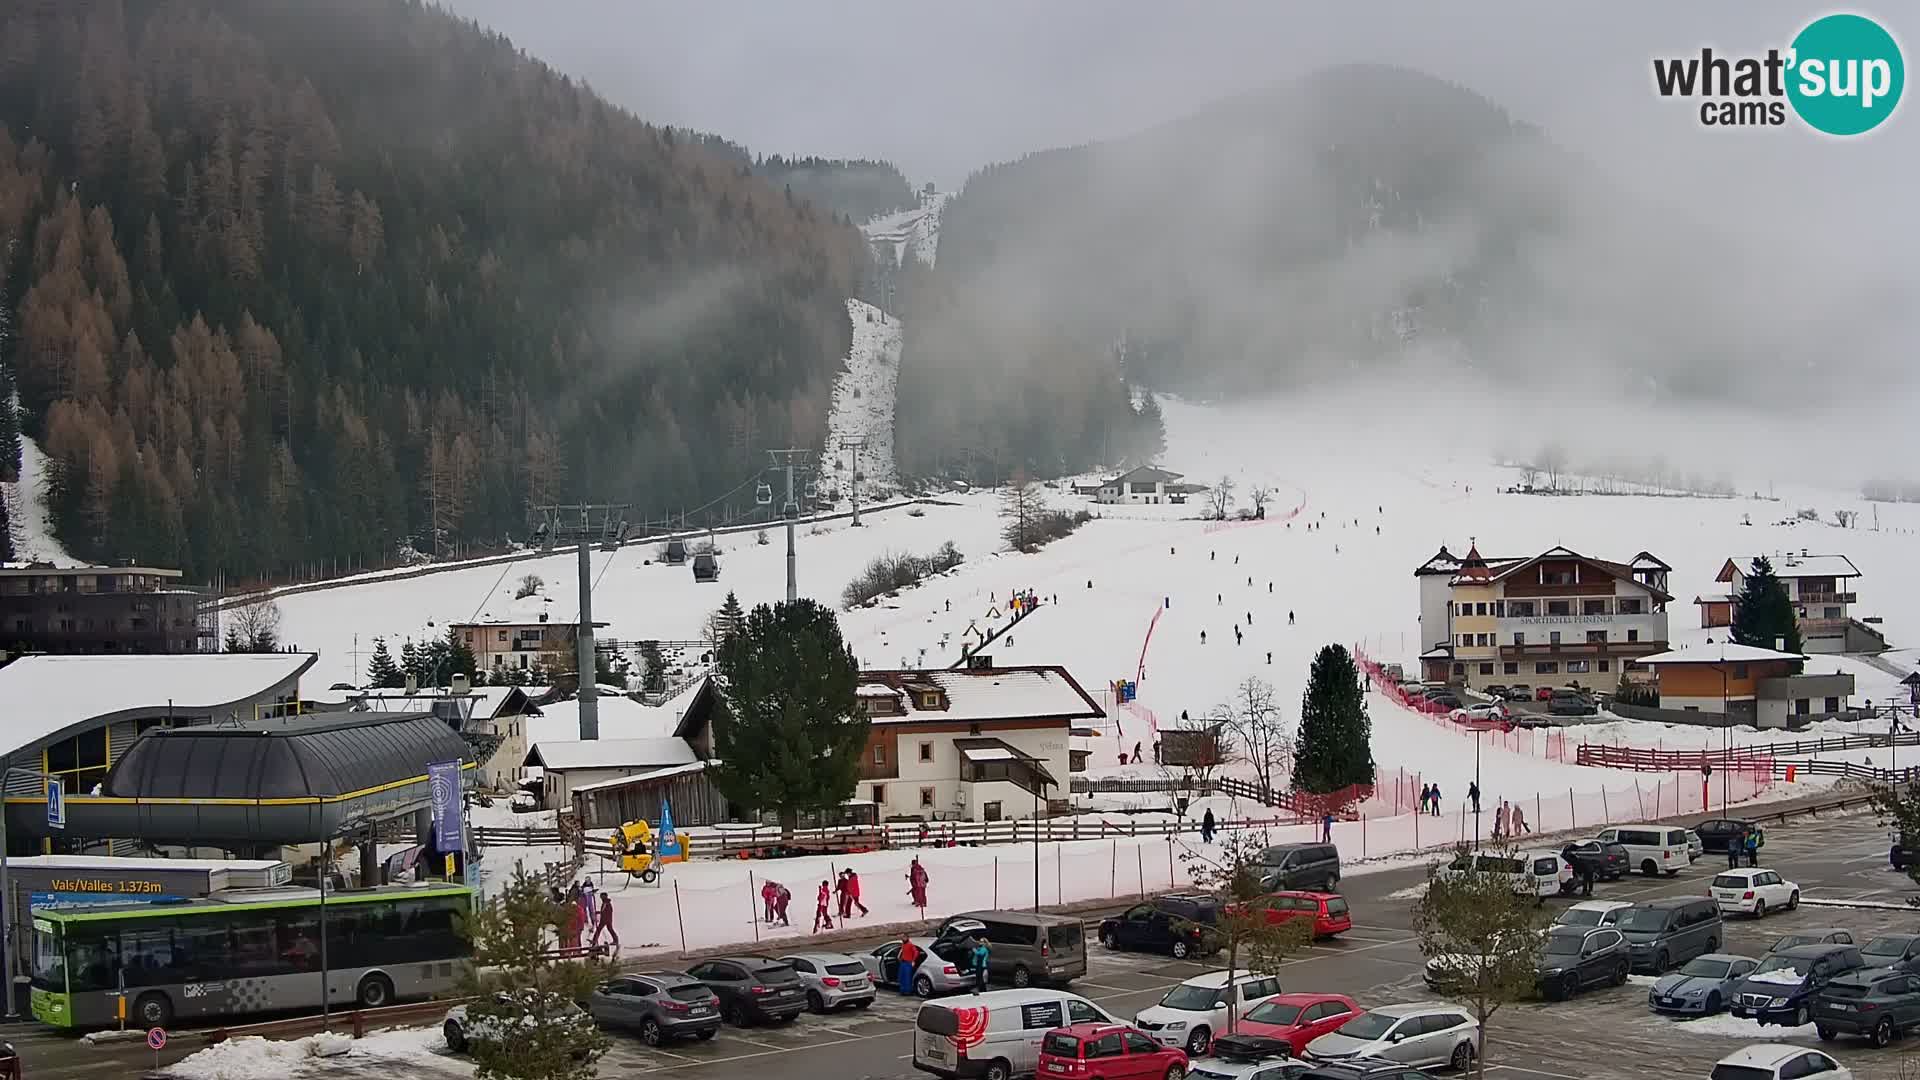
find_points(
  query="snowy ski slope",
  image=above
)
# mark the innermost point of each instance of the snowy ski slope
(863, 405)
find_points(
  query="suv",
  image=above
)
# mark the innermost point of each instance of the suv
(1027, 947)
(1192, 1012)
(660, 1005)
(1570, 703)
(1573, 959)
(1290, 867)
(1653, 849)
(1181, 925)
(1609, 861)
(752, 989)
(1876, 1002)
(1248, 1057)
(1426, 1033)
(1900, 951)
(1669, 931)
(1781, 989)
(1519, 692)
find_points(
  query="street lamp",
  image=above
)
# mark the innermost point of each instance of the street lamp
(1477, 732)
(351, 824)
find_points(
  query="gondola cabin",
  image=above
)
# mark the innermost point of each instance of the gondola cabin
(706, 567)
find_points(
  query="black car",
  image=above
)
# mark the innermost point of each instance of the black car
(1181, 925)
(1901, 951)
(1610, 862)
(1781, 989)
(1716, 833)
(1573, 958)
(752, 989)
(1876, 1002)
(1519, 692)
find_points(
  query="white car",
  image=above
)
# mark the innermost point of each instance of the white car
(462, 1029)
(1491, 710)
(1538, 873)
(1695, 848)
(1195, 1011)
(1778, 1061)
(1752, 891)
(1591, 913)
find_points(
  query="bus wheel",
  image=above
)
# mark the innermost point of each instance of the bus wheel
(154, 1010)
(375, 992)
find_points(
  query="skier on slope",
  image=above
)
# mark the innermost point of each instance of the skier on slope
(1289, 618)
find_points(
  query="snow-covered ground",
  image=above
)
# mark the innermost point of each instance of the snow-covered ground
(33, 539)
(863, 406)
(410, 1052)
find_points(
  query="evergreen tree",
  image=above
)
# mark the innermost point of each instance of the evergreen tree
(1336, 737)
(731, 616)
(233, 642)
(1150, 431)
(516, 987)
(653, 673)
(787, 736)
(382, 672)
(1763, 616)
(413, 663)
(459, 659)
(9, 410)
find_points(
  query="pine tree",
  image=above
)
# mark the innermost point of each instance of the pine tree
(1336, 737)
(517, 987)
(731, 616)
(1763, 616)
(382, 672)
(653, 667)
(1151, 429)
(459, 657)
(788, 738)
(412, 663)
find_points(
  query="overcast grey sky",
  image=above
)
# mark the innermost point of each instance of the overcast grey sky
(942, 89)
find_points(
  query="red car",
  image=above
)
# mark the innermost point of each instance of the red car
(1108, 1052)
(1544, 693)
(1327, 910)
(1297, 1019)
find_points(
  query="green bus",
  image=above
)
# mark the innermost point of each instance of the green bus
(246, 951)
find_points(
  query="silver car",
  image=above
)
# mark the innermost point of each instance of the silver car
(1702, 987)
(1428, 1033)
(660, 1005)
(936, 975)
(833, 980)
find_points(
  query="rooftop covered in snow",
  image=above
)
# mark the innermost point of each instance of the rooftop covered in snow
(49, 694)
(977, 694)
(1788, 565)
(1724, 652)
(560, 755)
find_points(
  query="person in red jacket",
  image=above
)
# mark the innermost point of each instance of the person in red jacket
(909, 960)
(840, 903)
(853, 895)
(821, 917)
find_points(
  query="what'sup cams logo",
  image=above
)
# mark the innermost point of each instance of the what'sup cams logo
(1842, 75)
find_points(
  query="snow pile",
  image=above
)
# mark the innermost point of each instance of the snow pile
(1778, 977)
(1731, 1026)
(33, 539)
(863, 406)
(412, 1051)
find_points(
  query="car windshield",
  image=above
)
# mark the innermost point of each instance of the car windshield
(1562, 945)
(1885, 946)
(1273, 1012)
(1729, 881)
(1785, 964)
(1579, 917)
(1192, 998)
(1368, 1026)
(1794, 941)
(1337, 906)
(1703, 968)
(1643, 919)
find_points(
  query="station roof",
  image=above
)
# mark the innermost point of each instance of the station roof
(49, 694)
(324, 756)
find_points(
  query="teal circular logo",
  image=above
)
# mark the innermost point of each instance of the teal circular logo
(1846, 74)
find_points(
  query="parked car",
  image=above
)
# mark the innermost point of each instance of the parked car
(1695, 846)
(1192, 1013)
(1900, 854)
(1425, 1033)
(1573, 959)
(1702, 986)
(1181, 925)
(1670, 930)
(1247, 1057)
(1443, 969)
(1901, 951)
(1108, 1052)
(1519, 692)
(1446, 699)
(1818, 935)
(1752, 891)
(943, 974)
(1610, 861)
(1363, 1070)
(1490, 712)
(1778, 1061)
(1027, 947)
(1781, 989)
(1328, 911)
(1591, 913)
(1536, 873)
(1296, 1019)
(1496, 691)
(995, 1035)
(1717, 833)
(752, 989)
(1879, 1003)
(462, 1029)
(659, 1005)
(1300, 866)
(1654, 849)
(833, 980)
(1565, 703)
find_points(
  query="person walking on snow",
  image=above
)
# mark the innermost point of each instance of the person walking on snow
(1426, 796)
(605, 924)
(1473, 794)
(1519, 821)
(820, 915)
(1203, 637)
(768, 891)
(1136, 751)
(782, 896)
(1436, 800)
(1500, 820)
(980, 956)
(840, 895)
(1289, 618)
(853, 893)
(1326, 828)
(1207, 827)
(917, 880)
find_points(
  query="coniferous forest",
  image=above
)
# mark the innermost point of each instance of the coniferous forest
(284, 281)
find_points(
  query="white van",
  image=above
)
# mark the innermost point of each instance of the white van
(1537, 873)
(1651, 849)
(995, 1035)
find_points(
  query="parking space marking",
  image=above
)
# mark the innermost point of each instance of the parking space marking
(1533, 1072)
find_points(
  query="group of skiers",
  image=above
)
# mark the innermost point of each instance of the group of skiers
(1430, 800)
(586, 906)
(1509, 820)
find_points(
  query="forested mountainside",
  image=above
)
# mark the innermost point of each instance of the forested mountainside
(291, 280)
(1262, 240)
(855, 189)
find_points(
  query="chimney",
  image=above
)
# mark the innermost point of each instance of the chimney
(413, 685)
(458, 684)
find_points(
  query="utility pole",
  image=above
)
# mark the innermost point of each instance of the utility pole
(854, 443)
(790, 460)
(589, 691)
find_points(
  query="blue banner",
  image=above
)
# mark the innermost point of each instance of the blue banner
(448, 832)
(669, 843)
(39, 900)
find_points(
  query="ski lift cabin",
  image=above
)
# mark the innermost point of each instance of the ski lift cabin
(676, 553)
(706, 567)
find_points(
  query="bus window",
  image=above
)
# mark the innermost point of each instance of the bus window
(49, 965)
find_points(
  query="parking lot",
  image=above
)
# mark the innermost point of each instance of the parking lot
(1602, 1035)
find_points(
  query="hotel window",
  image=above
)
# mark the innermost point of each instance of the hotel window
(1831, 613)
(1521, 609)
(1576, 667)
(929, 701)
(1559, 607)
(1597, 636)
(926, 797)
(1604, 665)
(1510, 669)
(1479, 609)
(1459, 669)
(1593, 607)
(1633, 635)
(1500, 608)
(1546, 667)
(1629, 605)
(879, 753)
(880, 794)
(1481, 639)
(1519, 638)
(1466, 639)
(926, 751)
(1802, 706)
(503, 635)
(1553, 637)
(1487, 669)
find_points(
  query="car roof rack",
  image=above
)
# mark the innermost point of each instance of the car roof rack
(1250, 1047)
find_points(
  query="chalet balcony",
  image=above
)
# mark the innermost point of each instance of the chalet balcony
(1811, 597)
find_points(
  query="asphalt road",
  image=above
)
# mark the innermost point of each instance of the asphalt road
(1602, 1035)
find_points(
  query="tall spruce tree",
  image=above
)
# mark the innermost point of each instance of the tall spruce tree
(1763, 616)
(1335, 747)
(788, 737)
(459, 658)
(382, 672)
(413, 663)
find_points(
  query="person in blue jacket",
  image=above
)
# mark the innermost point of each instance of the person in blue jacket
(979, 958)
